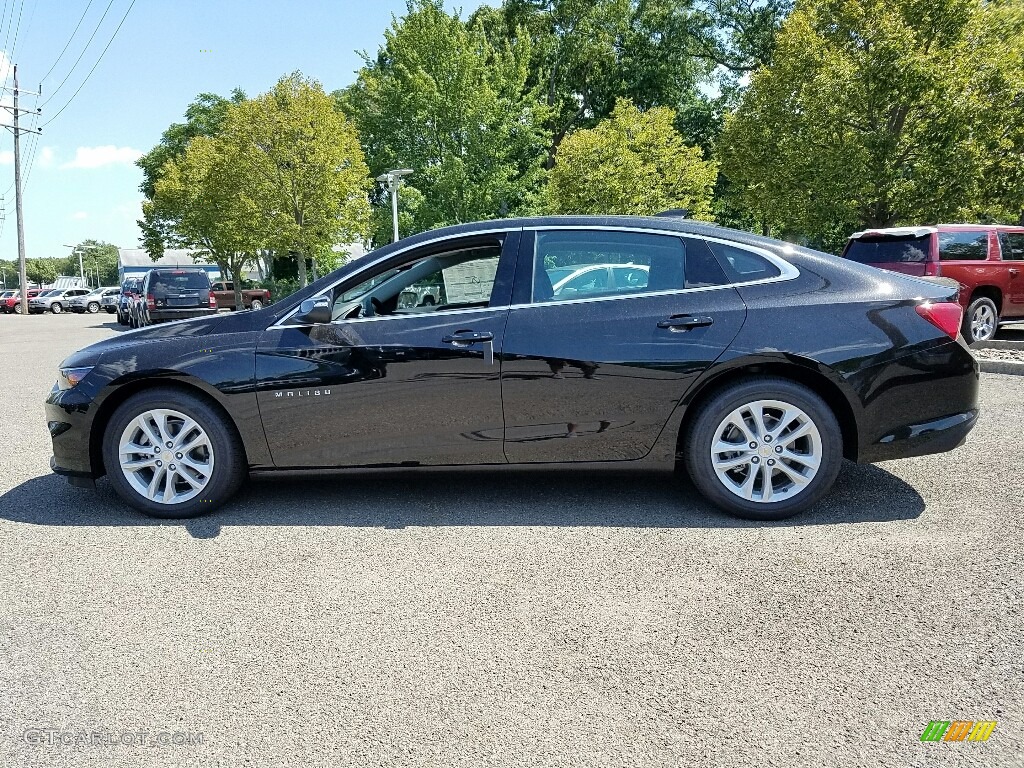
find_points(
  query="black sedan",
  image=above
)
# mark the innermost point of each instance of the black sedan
(753, 365)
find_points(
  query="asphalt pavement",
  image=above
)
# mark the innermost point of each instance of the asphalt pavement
(518, 619)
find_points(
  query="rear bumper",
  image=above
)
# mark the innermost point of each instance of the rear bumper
(161, 315)
(936, 436)
(924, 403)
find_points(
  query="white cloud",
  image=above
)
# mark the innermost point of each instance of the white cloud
(79, 215)
(97, 157)
(46, 157)
(6, 157)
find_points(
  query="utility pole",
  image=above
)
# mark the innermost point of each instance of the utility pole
(23, 280)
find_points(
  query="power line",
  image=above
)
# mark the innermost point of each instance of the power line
(86, 48)
(68, 43)
(8, 22)
(28, 25)
(17, 30)
(102, 53)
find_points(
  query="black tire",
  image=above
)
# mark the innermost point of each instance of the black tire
(700, 437)
(122, 319)
(229, 465)
(256, 305)
(56, 308)
(982, 307)
(17, 308)
(92, 308)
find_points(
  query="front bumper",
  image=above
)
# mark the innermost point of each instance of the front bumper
(69, 416)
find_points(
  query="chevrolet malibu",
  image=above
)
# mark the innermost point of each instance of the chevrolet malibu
(752, 365)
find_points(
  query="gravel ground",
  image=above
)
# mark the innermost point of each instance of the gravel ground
(507, 620)
(1003, 355)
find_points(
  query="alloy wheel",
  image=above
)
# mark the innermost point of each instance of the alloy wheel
(766, 451)
(983, 323)
(166, 456)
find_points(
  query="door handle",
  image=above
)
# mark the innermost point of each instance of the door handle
(681, 323)
(464, 339)
(467, 338)
(1014, 272)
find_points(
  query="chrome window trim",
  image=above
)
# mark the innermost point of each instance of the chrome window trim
(382, 259)
(786, 272)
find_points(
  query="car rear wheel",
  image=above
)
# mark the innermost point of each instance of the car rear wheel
(170, 454)
(56, 308)
(256, 304)
(93, 308)
(764, 449)
(17, 308)
(981, 321)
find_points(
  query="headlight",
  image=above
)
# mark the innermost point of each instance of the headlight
(70, 377)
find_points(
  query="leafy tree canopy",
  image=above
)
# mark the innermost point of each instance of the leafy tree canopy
(632, 163)
(879, 112)
(443, 100)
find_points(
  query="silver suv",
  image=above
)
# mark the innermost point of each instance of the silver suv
(55, 300)
(91, 301)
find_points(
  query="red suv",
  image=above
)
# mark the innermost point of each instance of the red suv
(13, 303)
(986, 259)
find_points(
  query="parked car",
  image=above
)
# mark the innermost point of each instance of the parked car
(13, 303)
(756, 365)
(252, 298)
(4, 295)
(110, 300)
(597, 278)
(171, 294)
(55, 300)
(986, 260)
(91, 301)
(129, 290)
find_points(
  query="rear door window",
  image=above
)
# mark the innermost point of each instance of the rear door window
(889, 250)
(1012, 245)
(963, 246)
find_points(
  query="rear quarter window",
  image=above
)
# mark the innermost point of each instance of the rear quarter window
(743, 266)
(963, 246)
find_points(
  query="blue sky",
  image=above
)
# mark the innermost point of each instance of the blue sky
(79, 177)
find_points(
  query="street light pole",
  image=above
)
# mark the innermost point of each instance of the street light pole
(78, 249)
(392, 181)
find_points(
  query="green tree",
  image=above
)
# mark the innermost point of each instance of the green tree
(41, 271)
(632, 163)
(879, 112)
(305, 169)
(99, 258)
(443, 100)
(203, 117)
(203, 197)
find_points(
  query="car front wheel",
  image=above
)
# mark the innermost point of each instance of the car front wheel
(981, 321)
(171, 454)
(764, 449)
(93, 308)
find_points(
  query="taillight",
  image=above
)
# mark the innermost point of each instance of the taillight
(150, 301)
(213, 301)
(946, 316)
(933, 269)
(268, 297)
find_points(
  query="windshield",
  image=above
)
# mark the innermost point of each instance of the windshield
(889, 250)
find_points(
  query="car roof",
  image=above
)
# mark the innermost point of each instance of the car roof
(933, 228)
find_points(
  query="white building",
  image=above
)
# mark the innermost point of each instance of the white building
(136, 262)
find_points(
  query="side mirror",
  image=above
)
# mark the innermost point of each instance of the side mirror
(315, 311)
